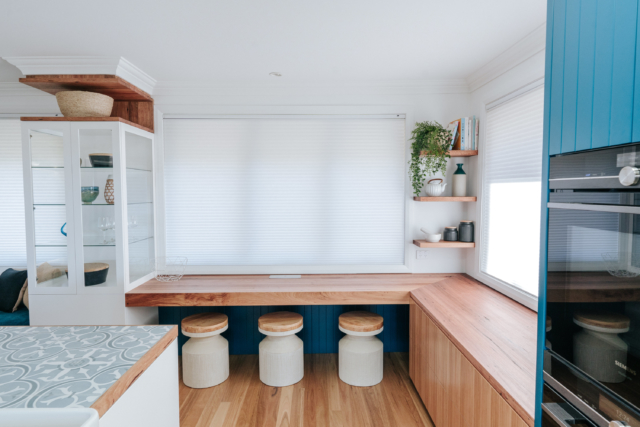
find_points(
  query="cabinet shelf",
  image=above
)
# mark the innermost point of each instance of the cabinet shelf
(446, 199)
(443, 244)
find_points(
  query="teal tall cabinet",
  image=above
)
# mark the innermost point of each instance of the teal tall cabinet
(592, 98)
(594, 74)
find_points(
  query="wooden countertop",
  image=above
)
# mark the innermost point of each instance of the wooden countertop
(496, 334)
(256, 290)
(117, 389)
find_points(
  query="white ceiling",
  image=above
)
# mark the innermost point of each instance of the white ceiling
(242, 40)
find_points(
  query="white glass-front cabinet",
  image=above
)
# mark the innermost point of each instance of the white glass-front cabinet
(90, 218)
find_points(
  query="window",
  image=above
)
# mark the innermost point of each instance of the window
(510, 239)
(13, 249)
(312, 193)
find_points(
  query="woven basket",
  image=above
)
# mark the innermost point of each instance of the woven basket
(77, 103)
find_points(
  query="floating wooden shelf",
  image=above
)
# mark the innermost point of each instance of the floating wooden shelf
(445, 199)
(463, 153)
(457, 153)
(113, 86)
(129, 102)
(443, 244)
(84, 119)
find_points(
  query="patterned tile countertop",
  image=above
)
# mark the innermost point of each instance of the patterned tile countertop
(68, 366)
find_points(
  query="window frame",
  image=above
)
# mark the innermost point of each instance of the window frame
(513, 292)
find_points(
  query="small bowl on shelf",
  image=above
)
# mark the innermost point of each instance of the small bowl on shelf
(430, 237)
(89, 194)
(101, 160)
(95, 273)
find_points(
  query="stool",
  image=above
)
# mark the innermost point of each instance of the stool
(281, 352)
(360, 352)
(205, 356)
(597, 348)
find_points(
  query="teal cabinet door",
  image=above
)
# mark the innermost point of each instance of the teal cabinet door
(593, 74)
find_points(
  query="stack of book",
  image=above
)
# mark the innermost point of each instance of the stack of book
(466, 133)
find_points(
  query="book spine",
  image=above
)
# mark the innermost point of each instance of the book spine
(463, 133)
(477, 133)
(473, 134)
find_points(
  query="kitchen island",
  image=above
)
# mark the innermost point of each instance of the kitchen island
(129, 374)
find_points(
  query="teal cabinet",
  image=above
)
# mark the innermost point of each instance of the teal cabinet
(594, 74)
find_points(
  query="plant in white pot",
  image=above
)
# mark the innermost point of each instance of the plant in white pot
(430, 147)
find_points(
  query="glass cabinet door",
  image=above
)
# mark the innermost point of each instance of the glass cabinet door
(140, 205)
(50, 231)
(97, 205)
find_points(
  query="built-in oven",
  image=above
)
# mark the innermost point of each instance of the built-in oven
(593, 284)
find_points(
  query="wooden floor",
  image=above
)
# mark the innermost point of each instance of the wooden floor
(320, 399)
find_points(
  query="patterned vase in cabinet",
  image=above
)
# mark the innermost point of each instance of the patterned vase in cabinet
(109, 191)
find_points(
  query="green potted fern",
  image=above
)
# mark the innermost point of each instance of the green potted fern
(430, 147)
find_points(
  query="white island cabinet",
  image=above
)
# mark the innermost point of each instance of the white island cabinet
(90, 220)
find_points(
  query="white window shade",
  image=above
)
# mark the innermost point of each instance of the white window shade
(287, 192)
(13, 249)
(510, 240)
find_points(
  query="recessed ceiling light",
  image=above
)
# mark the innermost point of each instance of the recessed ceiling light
(274, 74)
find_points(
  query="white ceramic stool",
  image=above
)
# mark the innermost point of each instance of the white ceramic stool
(281, 352)
(205, 356)
(360, 352)
(597, 348)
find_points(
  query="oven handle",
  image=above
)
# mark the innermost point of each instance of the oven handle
(595, 208)
(562, 413)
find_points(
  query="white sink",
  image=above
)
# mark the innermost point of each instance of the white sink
(63, 417)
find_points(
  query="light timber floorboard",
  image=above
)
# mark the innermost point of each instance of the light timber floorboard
(320, 399)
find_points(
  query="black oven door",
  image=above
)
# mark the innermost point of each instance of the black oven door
(593, 297)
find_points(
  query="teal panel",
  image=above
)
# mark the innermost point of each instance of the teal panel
(635, 136)
(624, 47)
(557, 76)
(570, 74)
(320, 332)
(586, 64)
(603, 73)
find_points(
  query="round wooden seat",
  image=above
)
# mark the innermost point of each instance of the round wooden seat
(616, 323)
(204, 323)
(280, 321)
(360, 321)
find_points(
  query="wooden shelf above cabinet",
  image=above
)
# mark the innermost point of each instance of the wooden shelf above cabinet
(113, 86)
(442, 244)
(129, 102)
(445, 199)
(458, 153)
(84, 119)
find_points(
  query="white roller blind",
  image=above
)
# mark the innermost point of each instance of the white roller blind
(313, 191)
(13, 249)
(511, 191)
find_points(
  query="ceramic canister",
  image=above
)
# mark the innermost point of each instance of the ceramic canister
(459, 182)
(450, 234)
(466, 231)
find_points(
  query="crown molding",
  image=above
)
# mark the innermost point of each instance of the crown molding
(524, 49)
(111, 65)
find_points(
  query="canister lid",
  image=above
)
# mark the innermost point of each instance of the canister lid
(451, 228)
(466, 220)
(604, 320)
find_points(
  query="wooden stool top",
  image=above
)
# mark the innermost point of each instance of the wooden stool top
(280, 321)
(360, 321)
(605, 320)
(203, 323)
